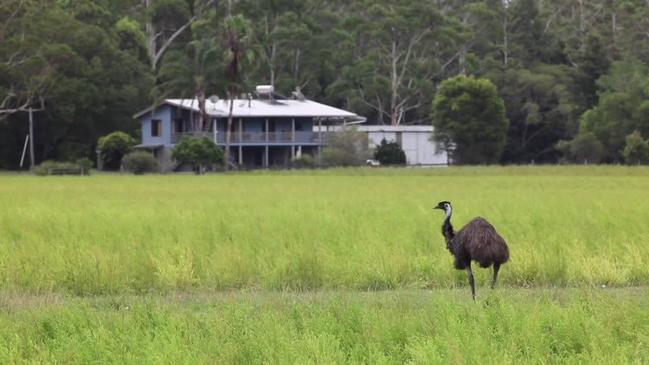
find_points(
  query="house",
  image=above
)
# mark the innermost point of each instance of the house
(266, 131)
(415, 141)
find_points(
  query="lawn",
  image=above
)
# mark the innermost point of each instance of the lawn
(334, 266)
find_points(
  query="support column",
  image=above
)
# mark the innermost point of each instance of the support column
(240, 142)
(214, 128)
(266, 159)
(319, 142)
(292, 138)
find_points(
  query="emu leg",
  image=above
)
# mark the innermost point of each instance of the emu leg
(493, 282)
(471, 282)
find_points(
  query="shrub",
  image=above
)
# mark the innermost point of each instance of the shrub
(46, 166)
(303, 162)
(140, 162)
(585, 148)
(198, 152)
(390, 153)
(85, 164)
(348, 147)
(113, 147)
(636, 150)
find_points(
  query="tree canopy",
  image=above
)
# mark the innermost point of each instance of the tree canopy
(469, 120)
(567, 71)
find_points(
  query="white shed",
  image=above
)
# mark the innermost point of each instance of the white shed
(415, 140)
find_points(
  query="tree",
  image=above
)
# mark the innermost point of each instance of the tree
(67, 57)
(469, 114)
(623, 107)
(393, 49)
(113, 147)
(390, 153)
(235, 35)
(585, 148)
(348, 147)
(542, 108)
(191, 72)
(198, 152)
(636, 151)
(173, 18)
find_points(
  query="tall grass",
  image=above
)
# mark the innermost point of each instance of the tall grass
(354, 229)
(580, 326)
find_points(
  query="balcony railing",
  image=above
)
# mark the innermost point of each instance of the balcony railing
(253, 137)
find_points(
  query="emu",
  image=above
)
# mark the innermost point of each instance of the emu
(477, 241)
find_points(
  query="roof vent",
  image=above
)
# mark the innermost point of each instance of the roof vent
(297, 94)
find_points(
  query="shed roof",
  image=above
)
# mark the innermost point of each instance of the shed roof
(374, 128)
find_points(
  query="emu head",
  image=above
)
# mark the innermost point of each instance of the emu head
(445, 206)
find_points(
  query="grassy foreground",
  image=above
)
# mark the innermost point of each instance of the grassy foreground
(592, 326)
(275, 268)
(351, 229)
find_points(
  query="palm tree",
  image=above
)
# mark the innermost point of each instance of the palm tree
(235, 27)
(191, 72)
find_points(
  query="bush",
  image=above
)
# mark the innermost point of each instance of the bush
(113, 147)
(636, 150)
(46, 166)
(140, 162)
(198, 152)
(390, 153)
(85, 164)
(585, 148)
(348, 147)
(303, 162)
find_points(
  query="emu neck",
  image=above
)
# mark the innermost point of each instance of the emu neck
(447, 228)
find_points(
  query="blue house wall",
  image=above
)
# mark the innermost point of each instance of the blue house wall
(168, 113)
(165, 113)
(253, 125)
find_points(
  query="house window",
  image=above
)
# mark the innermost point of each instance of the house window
(179, 125)
(155, 127)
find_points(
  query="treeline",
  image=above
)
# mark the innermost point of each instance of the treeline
(572, 74)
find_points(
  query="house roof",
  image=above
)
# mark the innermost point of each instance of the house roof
(262, 108)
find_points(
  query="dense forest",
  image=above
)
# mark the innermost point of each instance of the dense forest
(573, 74)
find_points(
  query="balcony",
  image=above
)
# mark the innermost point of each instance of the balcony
(254, 138)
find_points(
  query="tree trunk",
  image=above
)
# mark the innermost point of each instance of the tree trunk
(228, 132)
(202, 118)
(296, 69)
(271, 64)
(394, 80)
(505, 39)
(151, 38)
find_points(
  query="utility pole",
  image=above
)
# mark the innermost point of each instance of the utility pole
(31, 139)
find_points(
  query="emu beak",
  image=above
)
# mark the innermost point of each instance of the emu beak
(438, 207)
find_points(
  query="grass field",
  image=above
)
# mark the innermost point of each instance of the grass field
(331, 266)
(510, 326)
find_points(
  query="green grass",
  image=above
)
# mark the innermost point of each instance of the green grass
(508, 326)
(335, 266)
(350, 229)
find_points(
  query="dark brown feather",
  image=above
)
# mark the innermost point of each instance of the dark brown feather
(479, 241)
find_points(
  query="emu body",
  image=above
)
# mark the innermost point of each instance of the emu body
(477, 241)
